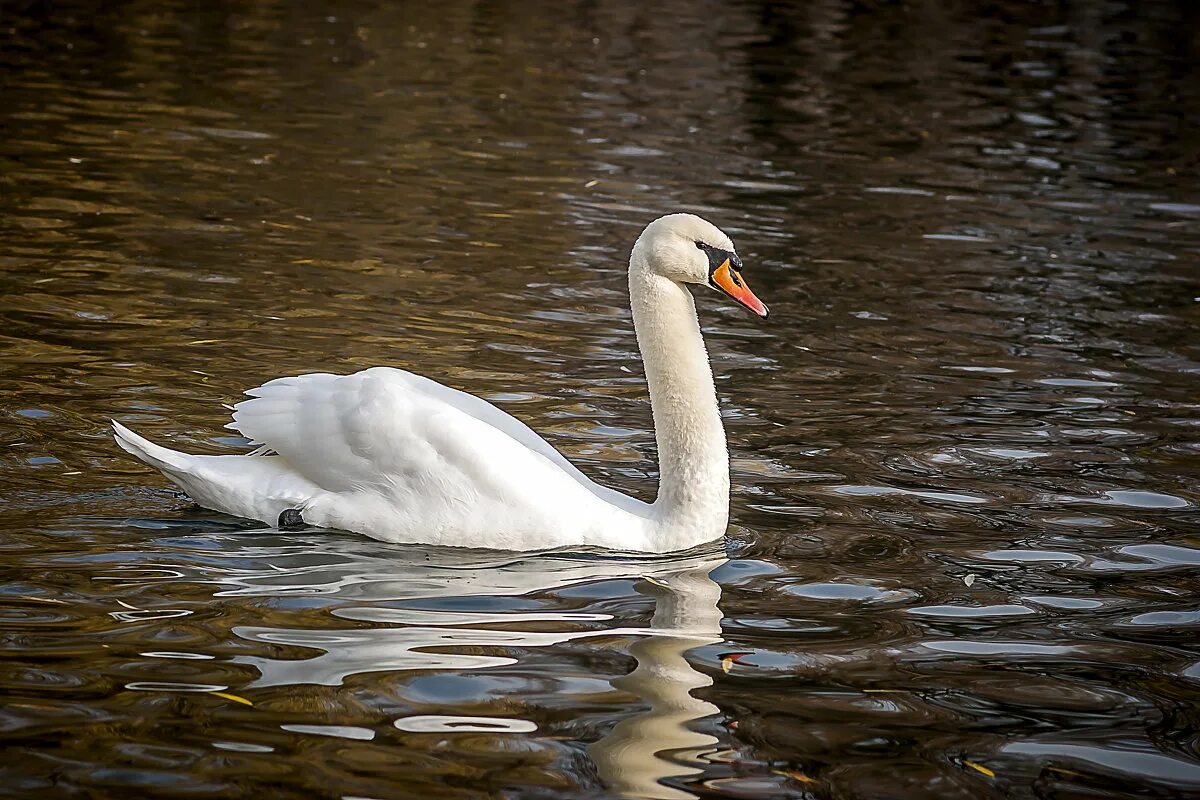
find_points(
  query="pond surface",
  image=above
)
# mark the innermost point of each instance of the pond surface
(964, 551)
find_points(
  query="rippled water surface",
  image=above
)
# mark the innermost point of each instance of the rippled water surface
(964, 554)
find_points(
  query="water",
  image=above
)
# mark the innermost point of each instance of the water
(964, 553)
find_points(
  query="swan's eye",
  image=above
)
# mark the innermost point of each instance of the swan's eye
(699, 245)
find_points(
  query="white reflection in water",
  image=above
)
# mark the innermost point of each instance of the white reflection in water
(635, 756)
(438, 723)
(686, 615)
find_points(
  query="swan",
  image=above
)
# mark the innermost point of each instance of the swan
(401, 458)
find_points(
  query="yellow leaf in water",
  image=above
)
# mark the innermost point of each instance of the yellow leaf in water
(795, 775)
(982, 770)
(726, 665)
(233, 697)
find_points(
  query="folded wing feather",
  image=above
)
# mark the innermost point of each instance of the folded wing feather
(374, 428)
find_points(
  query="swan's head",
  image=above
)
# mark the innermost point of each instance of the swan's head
(688, 249)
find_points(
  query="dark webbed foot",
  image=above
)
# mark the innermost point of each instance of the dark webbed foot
(290, 519)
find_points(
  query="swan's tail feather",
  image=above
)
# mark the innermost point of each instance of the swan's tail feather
(161, 458)
(257, 487)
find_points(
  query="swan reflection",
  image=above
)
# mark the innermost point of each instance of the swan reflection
(686, 615)
(446, 630)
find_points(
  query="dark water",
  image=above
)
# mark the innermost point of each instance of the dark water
(964, 554)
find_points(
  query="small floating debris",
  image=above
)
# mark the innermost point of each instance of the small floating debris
(980, 768)
(235, 698)
(794, 774)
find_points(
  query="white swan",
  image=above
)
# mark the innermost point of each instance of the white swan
(401, 458)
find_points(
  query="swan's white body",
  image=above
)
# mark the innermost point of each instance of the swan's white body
(402, 458)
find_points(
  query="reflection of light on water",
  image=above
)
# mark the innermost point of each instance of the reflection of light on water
(633, 758)
(336, 731)
(174, 686)
(435, 723)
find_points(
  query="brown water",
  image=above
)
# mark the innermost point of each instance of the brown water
(964, 554)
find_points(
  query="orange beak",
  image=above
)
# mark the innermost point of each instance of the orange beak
(730, 281)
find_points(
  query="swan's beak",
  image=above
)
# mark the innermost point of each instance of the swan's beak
(731, 282)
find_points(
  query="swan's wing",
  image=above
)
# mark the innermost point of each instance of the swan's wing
(382, 427)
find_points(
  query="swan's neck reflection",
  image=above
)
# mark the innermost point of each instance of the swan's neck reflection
(635, 757)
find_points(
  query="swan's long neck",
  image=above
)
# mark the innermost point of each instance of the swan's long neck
(693, 492)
